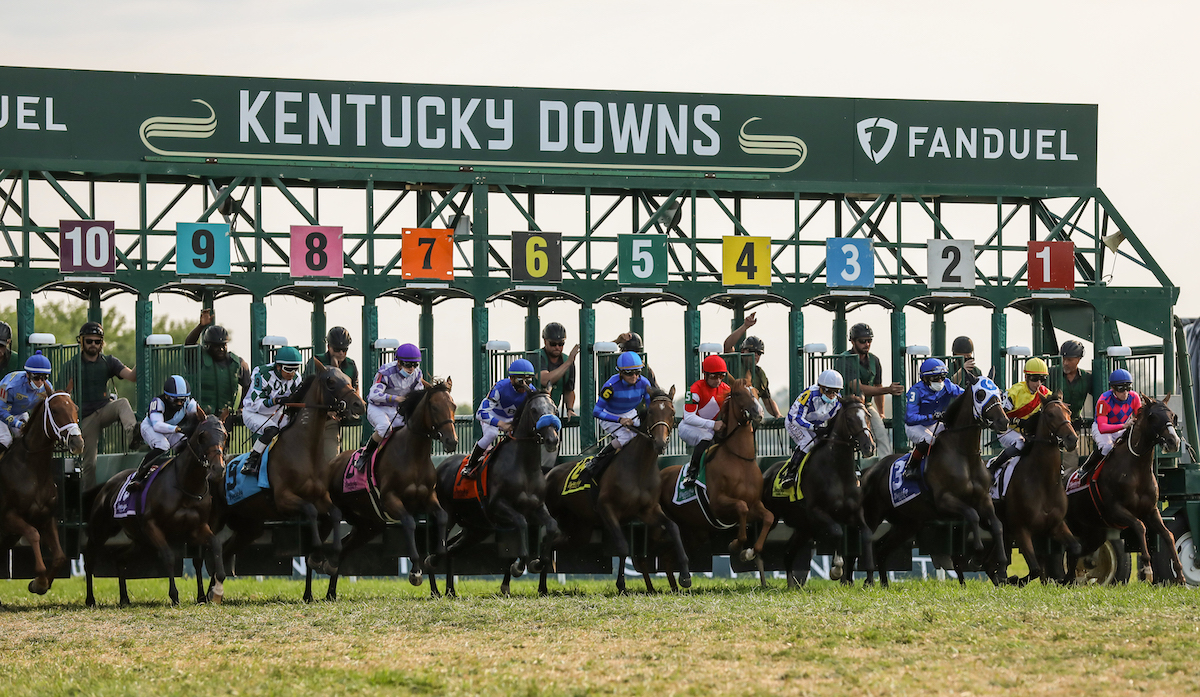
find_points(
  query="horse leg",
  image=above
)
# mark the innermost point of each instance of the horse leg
(659, 518)
(742, 511)
(34, 539)
(554, 537)
(465, 539)
(91, 555)
(952, 504)
(154, 535)
(868, 552)
(621, 575)
(359, 535)
(316, 558)
(217, 571)
(1123, 516)
(57, 556)
(1024, 541)
(767, 520)
(441, 525)
(1067, 539)
(1158, 526)
(504, 512)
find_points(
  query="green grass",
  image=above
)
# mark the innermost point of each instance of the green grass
(385, 637)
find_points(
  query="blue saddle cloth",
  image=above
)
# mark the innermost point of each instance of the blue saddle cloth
(905, 489)
(238, 486)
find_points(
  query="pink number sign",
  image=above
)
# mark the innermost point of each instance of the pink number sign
(316, 250)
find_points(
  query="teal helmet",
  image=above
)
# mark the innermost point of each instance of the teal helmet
(288, 356)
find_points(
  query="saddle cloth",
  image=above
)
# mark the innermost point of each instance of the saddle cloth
(467, 489)
(129, 504)
(576, 482)
(793, 493)
(1001, 475)
(698, 492)
(904, 489)
(1078, 482)
(355, 479)
(239, 487)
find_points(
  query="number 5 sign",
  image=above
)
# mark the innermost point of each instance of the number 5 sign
(951, 264)
(87, 245)
(316, 250)
(745, 261)
(641, 259)
(537, 256)
(202, 248)
(427, 254)
(849, 263)
(1051, 265)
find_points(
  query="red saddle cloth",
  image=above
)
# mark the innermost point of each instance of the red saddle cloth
(467, 489)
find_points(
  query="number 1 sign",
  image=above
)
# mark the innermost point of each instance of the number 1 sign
(1051, 265)
(316, 250)
(87, 245)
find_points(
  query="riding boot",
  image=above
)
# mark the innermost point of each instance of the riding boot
(250, 468)
(1005, 455)
(913, 466)
(1090, 464)
(472, 470)
(693, 468)
(595, 469)
(367, 452)
(792, 469)
(143, 470)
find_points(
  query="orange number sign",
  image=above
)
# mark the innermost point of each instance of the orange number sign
(427, 254)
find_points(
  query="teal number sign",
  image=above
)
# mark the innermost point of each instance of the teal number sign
(641, 259)
(202, 249)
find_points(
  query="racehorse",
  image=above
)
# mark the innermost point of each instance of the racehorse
(1035, 503)
(178, 504)
(406, 479)
(1123, 492)
(628, 490)
(28, 493)
(956, 483)
(831, 500)
(297, 471)
(516, 491)
(733, 481)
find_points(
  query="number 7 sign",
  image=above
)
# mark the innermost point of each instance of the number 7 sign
(427, 254)
(1051, 265)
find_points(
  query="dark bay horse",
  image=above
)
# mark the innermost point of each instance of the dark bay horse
(629, 490)
(957, 484)
(832, 500)
(28, 492)
(406, 476)
(734, 483)
(516, 491)
(1125, 493)
(178, 507)
(297, 470)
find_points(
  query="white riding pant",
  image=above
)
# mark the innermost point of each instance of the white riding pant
(923, 434)
(883, 444)
(693, 435)
(159, 441)
(803, 437)
(490, 433)
(384, 419)
(257, 422)
(1012, 439)
(619, 433)
(6, 434)
(1104, 441)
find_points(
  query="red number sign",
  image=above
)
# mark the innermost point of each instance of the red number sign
(316, 250)
(87, 246)
(1051, 266)
(427, 254)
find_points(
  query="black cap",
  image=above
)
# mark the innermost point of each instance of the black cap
(963, 345)
(753, 344)
(1071, 349)
(338, 337)
(91, 329)
(554, 332)
(5, 333)
(861, 331)
(214, 334)
(634, 343)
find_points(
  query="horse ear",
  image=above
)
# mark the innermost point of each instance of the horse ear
(1168, 397)
(200, 413)
(449, 383)
(71, 385)
(991, 373)
(319, 364)
(671, 394)
(426, 384)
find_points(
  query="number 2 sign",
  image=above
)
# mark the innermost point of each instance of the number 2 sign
(427, 254)
(87, 245)
(1051, 265)
(202, 248)
(316, 250)
(951, 264)
(849, 263)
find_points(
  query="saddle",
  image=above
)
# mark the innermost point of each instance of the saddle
(793, 493)
(467, 489)
(576, 481)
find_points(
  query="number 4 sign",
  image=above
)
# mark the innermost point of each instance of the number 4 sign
(746, 261)
(316, 250)
(1051, 265)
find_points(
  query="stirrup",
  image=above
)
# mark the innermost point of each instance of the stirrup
(252, 463)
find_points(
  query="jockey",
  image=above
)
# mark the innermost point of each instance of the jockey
(1024, 400)
(925, 404)
(161, 429)
(271, 386)
(617, 408)
(812, 410)
(497, 410)
(1114, 410)
(700, 409)
(394, 382)
(19, 391)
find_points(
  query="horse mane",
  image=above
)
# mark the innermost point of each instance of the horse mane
(305, 384)
(964, 400)
(409, 406)
(653, 393)
(521, 409)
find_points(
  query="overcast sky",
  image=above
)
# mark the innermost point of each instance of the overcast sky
(1137, 61)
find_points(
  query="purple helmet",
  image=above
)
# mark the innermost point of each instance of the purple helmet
(408, 352)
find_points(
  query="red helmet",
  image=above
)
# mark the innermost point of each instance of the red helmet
(714, 364)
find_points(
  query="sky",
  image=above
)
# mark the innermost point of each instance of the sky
(1137, 61)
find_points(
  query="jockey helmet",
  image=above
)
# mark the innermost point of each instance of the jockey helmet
(288, 357)
(214, 334)
(408, 353)
(714, 364)
(520, 368)
(554, 332)
(1036, 366)
(1071, 349)
(176, 386)
(753, 344)
(932, 368)
(338, 338)
(962, 346)
(5, 334)
(37, 364)
(1120, 376)
(861, 331)
(629, 361)
(633, 343)
(91, 329)
(830, 378)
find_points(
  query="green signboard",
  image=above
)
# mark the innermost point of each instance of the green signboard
(642, 260)
(109, 121)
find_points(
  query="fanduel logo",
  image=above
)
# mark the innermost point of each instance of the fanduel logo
(864, 137)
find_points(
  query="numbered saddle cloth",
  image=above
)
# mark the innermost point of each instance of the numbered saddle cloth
(793, 493)
(467, 489)
(239, 487)
(686, 492)
(1001, 475)
(129, 504)
(576, 482)
(362, 478)
(905, 489)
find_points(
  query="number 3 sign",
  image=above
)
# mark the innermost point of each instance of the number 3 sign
(202, 248)
(316, 250)
(849, 263)
(87, 245)
(1051, 266)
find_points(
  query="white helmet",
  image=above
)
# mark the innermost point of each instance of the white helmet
(830, 378)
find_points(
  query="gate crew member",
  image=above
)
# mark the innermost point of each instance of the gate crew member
(758, 377)
(262, 410)
(221, 371)
(617, 406)
(5, 346)
(497, 410)
(92, 370)
(19, 391)
(812, 410)
(865, 373)
(555, 372)
(701, 408)
(393, 384)
(1024, 400)
(632, 341)
(964, 348)
(1114, 410)
(1077, 388)
(924, 407)
(162, 428)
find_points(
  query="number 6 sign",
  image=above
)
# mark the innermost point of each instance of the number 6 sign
(1051, 265)
(316, 250)
(537, 256)
(849, 263)
(87, 245)
(202, 248)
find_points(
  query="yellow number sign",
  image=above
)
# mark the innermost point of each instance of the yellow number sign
(746, 261)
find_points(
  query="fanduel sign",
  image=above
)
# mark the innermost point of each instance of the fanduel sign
(127, 122)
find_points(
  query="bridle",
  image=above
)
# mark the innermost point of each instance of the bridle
(863, 428)
(537, 430)
(433, 431)
(50, 426)
(1056, 437)
(200, 459)
(1159, 438)
(339, 405)
(649, 432)
(740, 421)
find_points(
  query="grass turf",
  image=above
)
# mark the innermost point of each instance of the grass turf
(385, 637)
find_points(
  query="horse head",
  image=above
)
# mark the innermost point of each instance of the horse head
(742, 404)
(1055, 422)
(60, 421)
(1156, 421)
(660, 414)
(335, 391)
(439, 412)
(208, 441)
(854, 425)
(987, 401)
(539, 420)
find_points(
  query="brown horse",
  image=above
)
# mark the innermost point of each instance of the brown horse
(831, 501)
(628, 490)
(297, 470)
(178, 506)
(28, 493)
(1035, 504)
(957, 484)
(1125, 489)
(734, 483)
(406, 477)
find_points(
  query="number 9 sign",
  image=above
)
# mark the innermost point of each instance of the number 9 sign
(316, 250)
(87, 245)
(849, 263)
(202, 248)
(537, 256)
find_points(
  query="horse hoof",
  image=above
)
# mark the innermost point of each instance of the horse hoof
(835, 573)
(36, 589)
(415, 578)
(685, 580)
(215, 598)
(536, 566)
(747, 554)
(90, 602)
(517, 569)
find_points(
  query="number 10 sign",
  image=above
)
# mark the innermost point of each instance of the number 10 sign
(87, 246)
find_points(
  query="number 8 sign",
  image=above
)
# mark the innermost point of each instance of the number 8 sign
(87, 245)
(849, 263)
(202, 248)
(316, 250)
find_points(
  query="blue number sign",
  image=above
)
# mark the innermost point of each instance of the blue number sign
(849, 263)
(202, 249)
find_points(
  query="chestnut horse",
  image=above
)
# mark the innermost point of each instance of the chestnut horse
(28, 493)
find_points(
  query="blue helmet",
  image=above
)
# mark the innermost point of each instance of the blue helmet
(176, 386)
(37, 364)
(1120, 376)
(933, 367)
(629, 361)
(520, 368)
